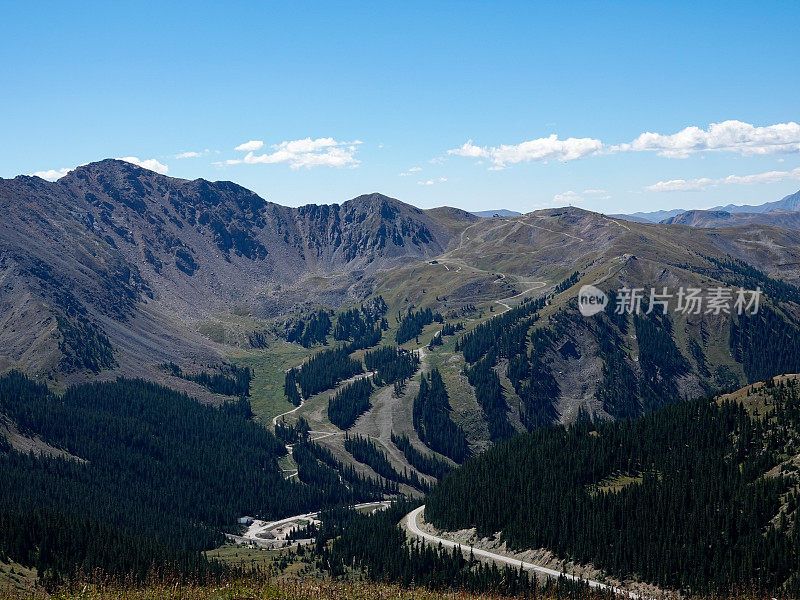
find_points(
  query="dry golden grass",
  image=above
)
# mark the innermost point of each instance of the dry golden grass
(259, 587)
(242, 589)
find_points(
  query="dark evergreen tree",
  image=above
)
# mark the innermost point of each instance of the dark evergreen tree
(391, 364)
(490, 396)
(349, 403)
(430, 464)
(366, 451)
(326, 369)
(155, 479)
(412, 324)
(432, 419)
(679, 497)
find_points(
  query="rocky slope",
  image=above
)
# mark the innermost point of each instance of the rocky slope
(115, 269)
(105, 266)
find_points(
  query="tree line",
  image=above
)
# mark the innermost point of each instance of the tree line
(337, 490)
(231, 381)
(412, 323)
(156, 476)
(491, 397)
(694, 510)
(377, 546)
(311, 331)
(362, 327)
(427, 463)
(507, 336)
(323, 371)
(391, 364)
(431, 415)
(506, 333)
(366, 451)
(349, 403)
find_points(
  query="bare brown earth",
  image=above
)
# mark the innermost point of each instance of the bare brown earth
(31, 444)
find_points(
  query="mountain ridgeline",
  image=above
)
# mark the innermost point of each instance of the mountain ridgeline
(107, 265)
(115, 268)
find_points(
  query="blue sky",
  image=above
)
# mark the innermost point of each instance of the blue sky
(350, 98)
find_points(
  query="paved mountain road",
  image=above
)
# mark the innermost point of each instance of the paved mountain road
(411, 523)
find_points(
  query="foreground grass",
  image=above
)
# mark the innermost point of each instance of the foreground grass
(261, 587)
(245, 589)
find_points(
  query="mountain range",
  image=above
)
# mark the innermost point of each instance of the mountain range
(114, 250)
(790, 203)
(114, 269)
(377, 347)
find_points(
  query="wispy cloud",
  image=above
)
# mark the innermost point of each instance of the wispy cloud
(703, 183)
(568, 197)
(537, 150)
(432, 181)
(192, 154)
(250, 146)
(51, 174)
(304, 153)
(597, 194)
(411, 171)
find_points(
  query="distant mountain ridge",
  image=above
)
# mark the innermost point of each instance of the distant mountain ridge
(500, 212)
(720, 218)
(788, 203)
(649, 217)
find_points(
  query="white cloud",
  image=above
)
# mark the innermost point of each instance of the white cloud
(189, 155)
(320, 152)
(728, 136)
(410, 171)
(307, 145)
(681, 185)
(150, 163)
(250, 146)
(568, 197)
(469, 150)
(51, 174)
(768, 177)
(703, 183)
(432, 181)
(538, 150)
(597, 194)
